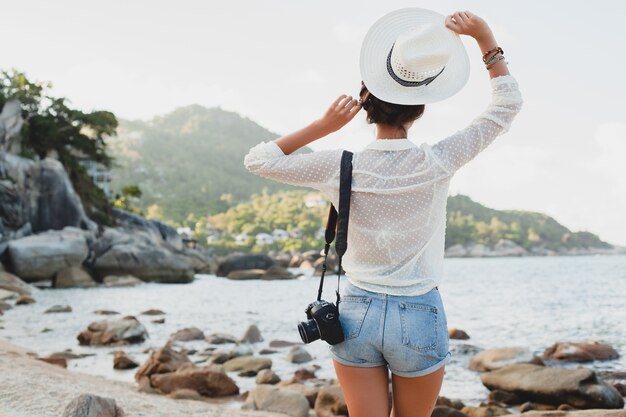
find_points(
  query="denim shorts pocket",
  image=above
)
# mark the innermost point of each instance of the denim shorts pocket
(352, 311)
(419, 326)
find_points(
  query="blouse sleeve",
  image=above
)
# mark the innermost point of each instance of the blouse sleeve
(461, 147)
(313, 169)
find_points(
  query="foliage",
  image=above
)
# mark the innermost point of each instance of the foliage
(128, 199)
(51, 127)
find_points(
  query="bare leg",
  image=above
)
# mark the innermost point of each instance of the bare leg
(366, 390)
(416, 397)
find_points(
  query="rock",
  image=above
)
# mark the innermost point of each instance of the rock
(457, 334)
(278, 272)
(220, 338)
(90, 405)
(153, 312)
(41, 256)
(10, 282)
(579, 352)
(478, 250)
(24, 299)
(236, 262)
(107, 332)
(457, 250)
(139, 253)
(297, 354)
(246, 274)
(583, 413)
(122, 361)
(303, 374)
(309, 392)
(68, 354)
(250, 364)
(241, 349)
(162, 361)
(579, 387)
(283, 343)
(106, 312)
(187, 334)
(267, 376)
(7, 295)
(490, 359)
(330, 402)
(121, 281)
(252, 334)
(73, 276)
(209, 381)
(506, 247)
(269, 398)
(203, 261)
(59, 309)
(54, 360)
(484, 411)
(5, 306)
(158, 321)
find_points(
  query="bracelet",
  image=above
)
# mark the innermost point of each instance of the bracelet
(493, 58)
(501, 57)
(495, 49)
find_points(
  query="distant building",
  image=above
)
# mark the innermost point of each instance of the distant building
(280, 234)
(99, 174)
(241, 239)
(296, 233)
(264, 239)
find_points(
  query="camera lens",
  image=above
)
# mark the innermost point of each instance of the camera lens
(308, 331)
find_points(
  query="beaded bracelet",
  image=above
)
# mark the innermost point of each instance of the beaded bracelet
(493, 58)
(501, 57)
(495, 49)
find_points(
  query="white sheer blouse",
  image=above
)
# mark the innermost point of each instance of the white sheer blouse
(396, 233)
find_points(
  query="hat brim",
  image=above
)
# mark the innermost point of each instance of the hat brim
(377, 44)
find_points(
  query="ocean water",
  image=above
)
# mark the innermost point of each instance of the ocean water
(530, 301)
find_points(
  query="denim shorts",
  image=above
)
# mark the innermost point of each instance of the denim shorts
(409, 334)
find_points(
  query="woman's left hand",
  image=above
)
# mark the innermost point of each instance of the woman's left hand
(343, 109)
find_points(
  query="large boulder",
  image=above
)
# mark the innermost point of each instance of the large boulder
(236, 262)
(579, 387)
(113, 332)
(91, 405)
(208, 381)
(494, 358)
(41, 256)
(10, 282)
(161, 361)
(139, 253)
(580, 352)
(270, 398)
(73, 276)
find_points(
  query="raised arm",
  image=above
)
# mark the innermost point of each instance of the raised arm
(506, 100)
(273, 159)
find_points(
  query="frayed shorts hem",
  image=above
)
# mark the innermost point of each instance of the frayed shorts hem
(426, 371)
(358, 365)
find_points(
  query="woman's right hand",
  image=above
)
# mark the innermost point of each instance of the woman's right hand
(467, 23)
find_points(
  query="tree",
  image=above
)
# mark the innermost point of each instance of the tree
(52, 128)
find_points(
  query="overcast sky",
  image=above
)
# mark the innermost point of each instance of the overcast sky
(282, 63)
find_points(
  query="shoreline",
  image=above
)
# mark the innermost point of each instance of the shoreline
(31, 387)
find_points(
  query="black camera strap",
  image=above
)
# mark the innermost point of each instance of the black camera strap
(338, 221)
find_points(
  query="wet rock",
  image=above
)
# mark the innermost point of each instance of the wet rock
(220, 338)
(484, 411)
(457, 334)
(309, 392)
(277, 272)
(297, 354)
(330, 402)
(490, 359)
(269, 398)
(236, 262)
(267, 351)
(24, 299)
(267, 376)
(252, 335)
(73, 276)
(303, 374)
(283, 343)
(68, 354)
(579, 352)
(121, 281)
(122, 361)
(579, 387)
(62, 362)
(153, 312)
(90, 405)
(41, 256)
(246, 274)
(250, 365)
(12, 283)
(209, 381)
(187, 334)
(158, 321)
(162, 361)
(58, 309)
(114, 332)
(106, 312)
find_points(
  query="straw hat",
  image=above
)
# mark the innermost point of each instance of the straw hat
(409, 56)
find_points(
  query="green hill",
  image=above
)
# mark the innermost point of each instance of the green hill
(190, 160)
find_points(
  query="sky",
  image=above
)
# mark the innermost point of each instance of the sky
(282, 63)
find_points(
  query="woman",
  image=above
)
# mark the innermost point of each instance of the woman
(392, 314)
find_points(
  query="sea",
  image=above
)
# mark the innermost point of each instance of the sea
(531, 302)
